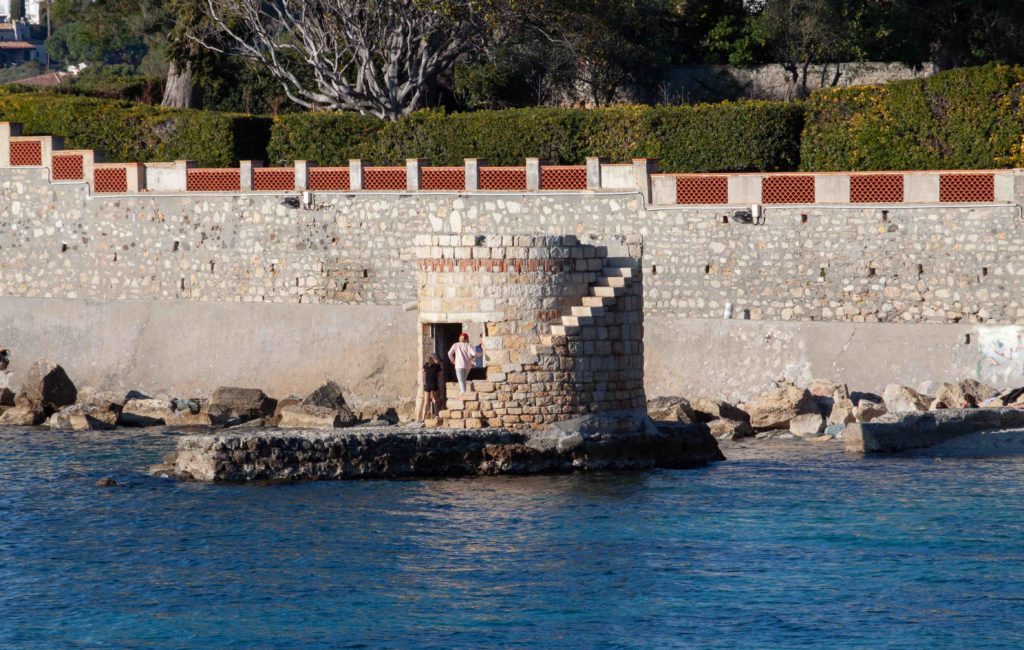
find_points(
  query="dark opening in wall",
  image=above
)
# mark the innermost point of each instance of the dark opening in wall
(366, 273)
(885, 216)
(725, 218)
(803, 218)
(871, 271)
(984, 270)
(707, 269)
(654, 270)
(920, 269)
(63, 248)
(176, 245)
(967, 339)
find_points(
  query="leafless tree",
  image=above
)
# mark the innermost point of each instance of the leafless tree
(377, 57)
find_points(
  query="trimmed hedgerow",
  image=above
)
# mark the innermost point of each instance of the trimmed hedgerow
(731, 136)
(128, 132)
(328, 139)
(742, 136)
(970, 118)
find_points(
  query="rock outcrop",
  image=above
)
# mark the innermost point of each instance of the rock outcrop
(964, 394)
(394, 452)
(807, 425)
(145, 412)
(235, 405)
(46, 388)
(867, 410)
(671, 409)
(22, 415)
(775, 409)
(726, 429)
(900, 399)
(99, 413)
(707, 410)
(324, 408)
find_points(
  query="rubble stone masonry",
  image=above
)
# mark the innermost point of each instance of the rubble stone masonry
(908, 264)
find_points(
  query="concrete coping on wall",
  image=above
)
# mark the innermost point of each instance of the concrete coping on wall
(535, 176)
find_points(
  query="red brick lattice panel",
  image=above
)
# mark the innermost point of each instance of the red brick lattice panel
(329, 179)
(439, 179)
(384, 179)
(273, 179)
(563, 178)
(876, 188)
(787, 189)
(702, 190)
(214, 180)
(26, 153)
(511, 179)
(68, 167)
(967, 188)
(110, 180)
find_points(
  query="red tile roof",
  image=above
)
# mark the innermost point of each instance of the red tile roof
(16, 45)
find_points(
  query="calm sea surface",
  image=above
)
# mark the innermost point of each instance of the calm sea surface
(788, 545)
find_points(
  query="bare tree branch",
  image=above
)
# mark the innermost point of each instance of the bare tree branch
(377, 57)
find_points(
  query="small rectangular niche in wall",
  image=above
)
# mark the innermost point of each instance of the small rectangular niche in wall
(920, 270)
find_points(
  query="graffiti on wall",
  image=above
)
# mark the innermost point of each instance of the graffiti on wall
(1001, 352)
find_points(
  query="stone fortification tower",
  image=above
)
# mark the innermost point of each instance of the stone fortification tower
(561, 324)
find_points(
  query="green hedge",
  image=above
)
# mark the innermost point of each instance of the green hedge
(970, 118)
(323, 138)
(128, 132)
(743, 136)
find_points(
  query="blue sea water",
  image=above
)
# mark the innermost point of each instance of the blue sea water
(784, 546)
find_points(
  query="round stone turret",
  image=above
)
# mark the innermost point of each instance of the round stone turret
(562, 325)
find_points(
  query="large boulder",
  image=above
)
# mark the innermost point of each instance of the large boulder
(726, 429)
(24, 414)
(324, 408)
(48, 387)
(775, 409)
(708, 410)
(899, 399)
(95, 415)
(671, 409)
(1013, 398)
(842, 406)
(229, 403)
(328, 396)
(866, 410)
(964, 394)
(808, 425)
(305, 416)
(145, 412)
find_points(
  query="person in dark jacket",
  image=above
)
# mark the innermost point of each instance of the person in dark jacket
(432, 382)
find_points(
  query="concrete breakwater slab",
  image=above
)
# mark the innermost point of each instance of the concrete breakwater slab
(399, 452)
(896, 432)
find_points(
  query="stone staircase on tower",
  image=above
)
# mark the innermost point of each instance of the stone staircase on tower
(614, 281)
(612, 284)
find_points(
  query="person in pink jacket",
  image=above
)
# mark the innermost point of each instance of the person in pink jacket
(462, 355)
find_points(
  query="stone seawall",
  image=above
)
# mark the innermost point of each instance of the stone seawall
(956, 269)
